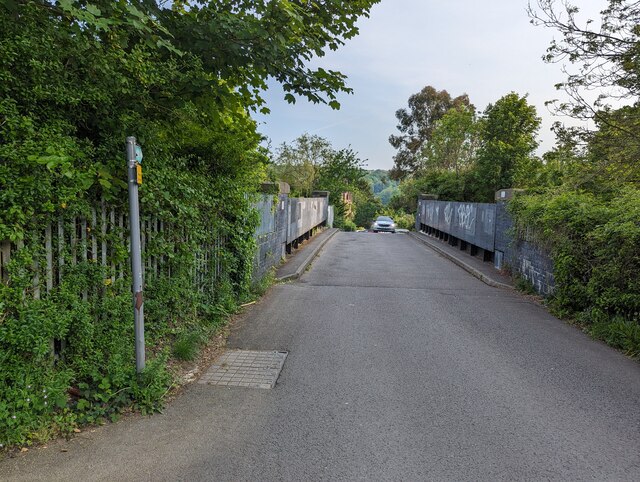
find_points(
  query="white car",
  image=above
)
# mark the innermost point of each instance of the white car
(383, 224)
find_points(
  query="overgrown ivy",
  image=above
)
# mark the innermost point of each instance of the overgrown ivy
(77, 78)
(94, 379)
(68, 101)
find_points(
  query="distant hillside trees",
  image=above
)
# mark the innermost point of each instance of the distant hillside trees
(382, 186)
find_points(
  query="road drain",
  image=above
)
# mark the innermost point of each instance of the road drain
(243, 368)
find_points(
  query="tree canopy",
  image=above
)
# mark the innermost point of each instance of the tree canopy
(310, 163)
(603, 57)
(509, 138)
(416, 124)
(243, 42)
(454, 141)
(466, 156)
(606, 53)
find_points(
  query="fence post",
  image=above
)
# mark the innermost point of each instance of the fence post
(5, 257)
(112, 229)
(103, 231)
(136, 254)
(48, 246)
(60, 249)
(84, 248)
(94, 239)
(121, 235)
(35, 266)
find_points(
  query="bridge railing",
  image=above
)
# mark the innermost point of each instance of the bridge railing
(461, 224)
(284, 223)
(486, 230)
(102, 237)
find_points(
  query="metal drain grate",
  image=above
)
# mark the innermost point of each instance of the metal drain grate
(242, 368)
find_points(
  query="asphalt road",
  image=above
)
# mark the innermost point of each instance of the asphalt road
(401, 366)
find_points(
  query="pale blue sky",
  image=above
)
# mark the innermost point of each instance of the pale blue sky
(483, 48)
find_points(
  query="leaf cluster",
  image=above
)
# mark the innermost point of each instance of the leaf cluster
(603, 51)
(311, 163)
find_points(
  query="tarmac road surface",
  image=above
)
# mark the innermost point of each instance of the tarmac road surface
(401, 366)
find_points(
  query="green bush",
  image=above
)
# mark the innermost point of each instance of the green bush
(405, 221)
(623, 335)
(366, 212)
(448, 186)
(68, 102)
(594, 243)
(524, 285)
(341, 222)
(261, 286)
(402, 219)
(349, 225)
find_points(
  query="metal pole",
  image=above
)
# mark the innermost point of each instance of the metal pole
(136, 254)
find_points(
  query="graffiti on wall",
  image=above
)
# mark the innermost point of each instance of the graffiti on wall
(470, 222)
(433, 212)
(448, 213)
(466, 217)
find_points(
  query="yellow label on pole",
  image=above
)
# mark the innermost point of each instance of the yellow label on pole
(139, 173)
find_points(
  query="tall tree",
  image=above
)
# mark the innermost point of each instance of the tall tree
(310, 163)
(454, 141)
(505, 157)
(299, 163)
(343, 171)
(416, 124)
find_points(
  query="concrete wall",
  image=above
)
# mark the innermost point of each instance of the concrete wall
(284, 222)
(487, 230)
(304, 215)
(522, 256)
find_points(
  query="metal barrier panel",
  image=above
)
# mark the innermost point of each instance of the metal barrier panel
(282, 219)
(474, 223)
(305, 214)
(294, 215)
